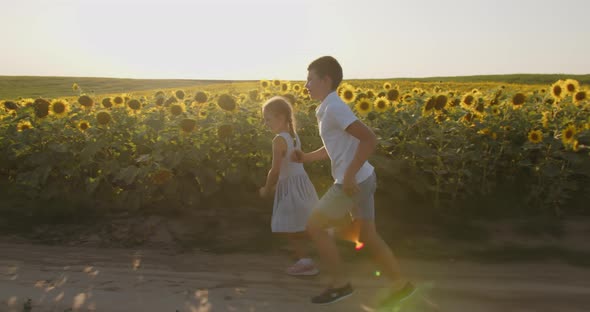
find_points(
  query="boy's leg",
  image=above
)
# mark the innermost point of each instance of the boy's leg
(382, 254)
(326, 247)
(332, 208)
(365, 214)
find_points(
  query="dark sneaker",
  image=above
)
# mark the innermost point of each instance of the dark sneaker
(331, 295)
(399, 296)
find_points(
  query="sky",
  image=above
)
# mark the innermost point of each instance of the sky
(277, 39)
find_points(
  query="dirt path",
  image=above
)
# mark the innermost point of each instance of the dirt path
(95, 279)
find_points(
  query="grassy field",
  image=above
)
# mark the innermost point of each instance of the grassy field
(12, 87)
(513, 78)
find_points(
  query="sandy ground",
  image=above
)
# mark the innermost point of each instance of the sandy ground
(57, 278)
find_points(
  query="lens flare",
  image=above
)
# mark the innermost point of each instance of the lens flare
(358, 245)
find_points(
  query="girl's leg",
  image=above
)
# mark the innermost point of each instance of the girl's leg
(297, 244)
(304, 265)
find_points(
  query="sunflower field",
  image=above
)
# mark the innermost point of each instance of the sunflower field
(445, 147)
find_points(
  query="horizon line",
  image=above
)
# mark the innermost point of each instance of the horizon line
(250, 80)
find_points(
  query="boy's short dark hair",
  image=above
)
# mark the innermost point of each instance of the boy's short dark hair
(327, 66)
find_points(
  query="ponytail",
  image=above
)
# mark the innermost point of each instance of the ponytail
(280, 105)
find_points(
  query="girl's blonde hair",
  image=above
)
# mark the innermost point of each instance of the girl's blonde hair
(279, 105)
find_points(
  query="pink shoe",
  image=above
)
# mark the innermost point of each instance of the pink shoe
(303, 267)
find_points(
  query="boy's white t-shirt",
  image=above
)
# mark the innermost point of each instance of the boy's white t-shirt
(334, 116)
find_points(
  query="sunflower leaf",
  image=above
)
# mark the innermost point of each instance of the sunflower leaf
(128, 174)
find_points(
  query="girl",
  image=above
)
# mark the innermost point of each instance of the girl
(294, 194)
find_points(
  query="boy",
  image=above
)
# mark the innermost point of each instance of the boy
(348, 143)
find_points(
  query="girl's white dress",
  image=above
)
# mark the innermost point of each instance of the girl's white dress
(295, 195)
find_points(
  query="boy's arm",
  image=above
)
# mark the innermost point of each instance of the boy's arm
(319, 154)
(366, 147)
(279, 148)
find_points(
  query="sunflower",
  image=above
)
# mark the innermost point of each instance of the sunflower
(441, 102)
(363, 107)
(83, 125)
(455, 102)
(201, 97)
(103, 118)
(86, 101)
(264, 84)
(387, 86)
(429, 106)
(203, 113)
(393, 95)
(179, 94)
(408, 98)
(485, 131)
(26, 102)
(160, 100)
(75, 87)
(567, 135)
(340, 88)
(557, 90)
(118, 100)
(381, 105)
(479, 108)
(9, 105)
(571, 86)
(296, 87)
(518, 99)
(266, 95)
(188, 125)
(134, 105)
(106, 103)
(576, 146)
(496, 111)
(468, 101)
(59, 108)
(285, 86)
(276, 83)
(535, 136)
(227, 102)
(348, 95)
(580, 96)
(546, 117)
(253, 95)
(440, 118)
(170, 100)
(467, 118)
(177, 109)
(24, 125)
(41, 107)
(370, 93)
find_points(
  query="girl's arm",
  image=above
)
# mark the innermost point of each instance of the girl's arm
(279, 149)
(319, 154)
